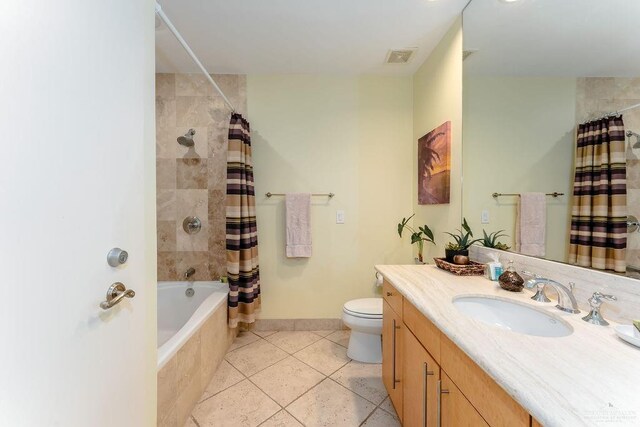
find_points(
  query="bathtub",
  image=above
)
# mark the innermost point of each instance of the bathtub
(180, 316)
(193, 338)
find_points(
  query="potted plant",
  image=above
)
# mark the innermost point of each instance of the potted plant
(491, 240)
(424, 234)
(461, 243)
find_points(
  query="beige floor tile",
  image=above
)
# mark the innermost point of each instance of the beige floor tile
(225, 376)
(243, 338)
(242, 405)
(340, 337)
(292, 341)
(330, 404)
(281, 419)
(287, 380)
(364, 379)
(323, 333)
(380, 418)
(324, 356)
(254, 357)
(264, 334)
(388, 406)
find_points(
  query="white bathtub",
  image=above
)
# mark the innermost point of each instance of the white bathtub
(180, 316)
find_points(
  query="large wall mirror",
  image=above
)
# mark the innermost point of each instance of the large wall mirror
(534, 70)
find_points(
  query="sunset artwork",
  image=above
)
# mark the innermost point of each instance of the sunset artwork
(434, 166)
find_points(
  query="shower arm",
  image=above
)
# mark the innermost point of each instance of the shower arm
(193, 56)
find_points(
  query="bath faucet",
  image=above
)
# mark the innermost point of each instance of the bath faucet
(566, 300)
(190, 272)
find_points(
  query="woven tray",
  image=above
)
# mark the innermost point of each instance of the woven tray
(471, 269)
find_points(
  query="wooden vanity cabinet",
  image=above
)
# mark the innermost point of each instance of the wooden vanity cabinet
(420, 374)
(431, 381)
(392, 327)
(457, 411)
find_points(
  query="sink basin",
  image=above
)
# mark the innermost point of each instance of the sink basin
(511, 315)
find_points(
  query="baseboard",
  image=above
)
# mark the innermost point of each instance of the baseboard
(298, 325)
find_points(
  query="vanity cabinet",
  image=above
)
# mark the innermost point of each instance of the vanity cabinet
(392, 355)
(432, 382)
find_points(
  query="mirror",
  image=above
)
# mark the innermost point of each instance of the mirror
(534, 70)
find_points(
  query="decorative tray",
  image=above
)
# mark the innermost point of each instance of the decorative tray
(471, 269)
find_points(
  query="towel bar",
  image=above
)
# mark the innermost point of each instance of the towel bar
(329, 195)
(496, 195)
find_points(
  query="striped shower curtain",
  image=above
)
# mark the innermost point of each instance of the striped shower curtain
(242, 235)
(598, 236)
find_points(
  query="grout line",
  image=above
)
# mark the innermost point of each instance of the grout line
(291, 354)
(195, 421)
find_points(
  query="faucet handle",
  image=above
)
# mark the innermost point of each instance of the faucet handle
(595, 302)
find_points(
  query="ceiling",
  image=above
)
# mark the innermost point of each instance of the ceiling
(302, 36)
(572, 38)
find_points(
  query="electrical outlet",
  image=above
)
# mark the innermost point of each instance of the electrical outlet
(339, 217)
(484, 217)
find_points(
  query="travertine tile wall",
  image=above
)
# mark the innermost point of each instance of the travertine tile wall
(192, 181)
(595, 96)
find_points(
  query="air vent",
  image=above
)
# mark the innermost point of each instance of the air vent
(401, 56)
(468, 53)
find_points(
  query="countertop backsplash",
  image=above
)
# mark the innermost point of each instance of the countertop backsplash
(587, 281)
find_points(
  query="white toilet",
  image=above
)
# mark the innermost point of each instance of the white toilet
(364, 317)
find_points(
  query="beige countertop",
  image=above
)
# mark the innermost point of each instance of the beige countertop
(588, 378)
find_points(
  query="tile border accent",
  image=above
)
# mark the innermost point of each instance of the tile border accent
(297, 325)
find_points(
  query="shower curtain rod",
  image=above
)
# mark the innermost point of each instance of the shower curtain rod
(614, 113)
(193, 56)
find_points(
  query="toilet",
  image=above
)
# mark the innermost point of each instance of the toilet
(364, 317)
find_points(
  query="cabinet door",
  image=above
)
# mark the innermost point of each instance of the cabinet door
(392, 355)
(420, 376)
(455, 409)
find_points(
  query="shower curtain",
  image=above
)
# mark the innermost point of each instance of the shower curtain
(242, 235)
(598, 236)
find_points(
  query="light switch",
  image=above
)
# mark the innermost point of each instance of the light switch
(484, 217)
(339, 217)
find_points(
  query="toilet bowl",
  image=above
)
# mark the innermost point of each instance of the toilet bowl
(364, 317)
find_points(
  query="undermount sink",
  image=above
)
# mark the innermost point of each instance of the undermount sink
(512, 316)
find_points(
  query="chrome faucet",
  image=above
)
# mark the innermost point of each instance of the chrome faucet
(190, 272)
(566, 300)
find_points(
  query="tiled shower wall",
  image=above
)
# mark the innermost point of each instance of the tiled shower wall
(602, 95)
(192, 181)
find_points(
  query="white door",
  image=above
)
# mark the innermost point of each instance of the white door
(76, 179)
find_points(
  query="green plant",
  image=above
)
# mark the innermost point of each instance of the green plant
(491, 240)
(462, 240)
(424, 234)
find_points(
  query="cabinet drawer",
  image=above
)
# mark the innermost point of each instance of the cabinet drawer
(422, 328)
(489, 399)
(392, 297)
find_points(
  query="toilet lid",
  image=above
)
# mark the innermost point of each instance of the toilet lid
(365, 306)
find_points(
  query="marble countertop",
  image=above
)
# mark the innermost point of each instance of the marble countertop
(588, 378)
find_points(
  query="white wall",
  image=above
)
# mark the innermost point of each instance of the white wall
(519, 137)
(437, 94)
(347, 135)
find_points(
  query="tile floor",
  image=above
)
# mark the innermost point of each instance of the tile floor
(294, 378)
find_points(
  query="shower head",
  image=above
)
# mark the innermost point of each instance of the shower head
(187, 138)
(630, 134)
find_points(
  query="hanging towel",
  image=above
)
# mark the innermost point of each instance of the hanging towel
(531, 220)
(298, 224)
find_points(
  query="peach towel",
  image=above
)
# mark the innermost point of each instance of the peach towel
(298, 225)
(531, 223)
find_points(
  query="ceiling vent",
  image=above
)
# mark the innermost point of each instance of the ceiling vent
(468, 53)
(401, 56)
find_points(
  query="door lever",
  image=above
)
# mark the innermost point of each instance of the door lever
(116, 293)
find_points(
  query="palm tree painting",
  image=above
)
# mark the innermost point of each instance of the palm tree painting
(434, 166)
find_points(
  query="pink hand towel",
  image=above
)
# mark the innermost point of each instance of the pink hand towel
(298, 224)
(531, 223)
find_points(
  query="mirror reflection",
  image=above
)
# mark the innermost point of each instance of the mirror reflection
(551, 124)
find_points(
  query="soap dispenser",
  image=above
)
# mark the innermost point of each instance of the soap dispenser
(510, 280)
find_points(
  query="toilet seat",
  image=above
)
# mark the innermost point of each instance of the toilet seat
(365, 308)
